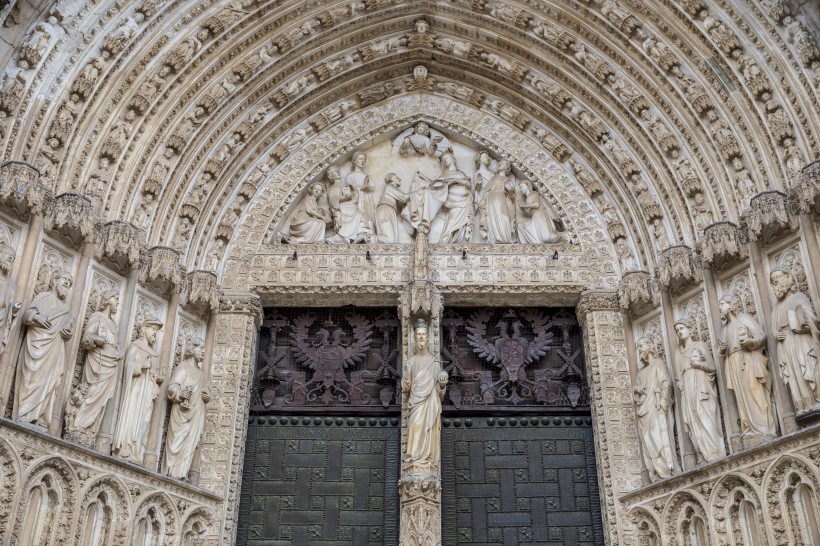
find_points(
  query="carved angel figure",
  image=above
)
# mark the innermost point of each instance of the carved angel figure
(329, 355)
(509, 351)
(419, 141)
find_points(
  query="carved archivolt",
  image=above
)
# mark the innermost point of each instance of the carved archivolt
(683, 516)
(46, 509)
(196, 523)
(736, 511)
(112, 510)
(157, 517)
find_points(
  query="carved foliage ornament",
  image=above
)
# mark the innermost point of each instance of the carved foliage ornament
(73, 216)
(676, 268)
(21, 188)
(722, 243)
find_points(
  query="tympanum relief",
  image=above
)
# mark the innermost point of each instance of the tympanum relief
(422, 180)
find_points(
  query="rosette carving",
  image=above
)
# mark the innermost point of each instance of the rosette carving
(73, 217)
(121, 243)
(676, 268)
(768, 217)
(722, 243)
(804, 195)
(635, 291)
(162, 271)
(21, 188)
(201, 292)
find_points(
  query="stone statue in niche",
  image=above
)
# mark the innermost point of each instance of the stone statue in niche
(101, 369)
(625, 255)
(457, 225)
(747, 373)
(308, 223)
(534, 217)
(49, 324)
(140, 388)
(9, 308)
(387, 213)
(795, 326)
(420, 140)
(496, 211)
(653, 405)
(188, 396)
(695, 371)
(423, 383)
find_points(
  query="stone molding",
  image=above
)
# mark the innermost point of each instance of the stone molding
(722, 244)
(242, 303)
(596, 300)
(22, 190)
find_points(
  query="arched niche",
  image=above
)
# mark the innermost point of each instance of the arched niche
(685, 521)
(104, 513)
(154, 522)
(47, 505)
(737, 512)
(791, 487)
(649, 529)
(196, 525)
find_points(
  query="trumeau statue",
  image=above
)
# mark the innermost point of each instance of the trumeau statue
(188, 396)
(140, 388)
(653, 400)
(49, 324)
(9, 308)
(795, 326)
(695, 371)
(424, 383)
(747, 373)
(421, 181)
(101, 370)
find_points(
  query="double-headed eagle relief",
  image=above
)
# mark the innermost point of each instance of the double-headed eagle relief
(422, 181)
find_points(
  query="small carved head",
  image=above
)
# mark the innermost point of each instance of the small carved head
(392, 178)
(317, 189)
(727, 306)
(61, 283)
(684, 328)
(333, 173)
(7, 255)
(482, 157)
(422, 129)
(195, 348)
(783, 282)
(646, 349)
(109, 299)
(149, 329)
(421, 334)
(359, 159)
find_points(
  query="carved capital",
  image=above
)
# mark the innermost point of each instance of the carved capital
(242, 303)
(73, 217)
(419, 486)
(121, 243)
(676, 268)
(22, 190)
(804, 194)
(596, 300)
(161, 270)
(722, 243)
(635, 291)
(420, 519)
(768, 217)
(201, 292)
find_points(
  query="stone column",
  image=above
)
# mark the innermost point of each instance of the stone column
(613, 415)
(226, 427)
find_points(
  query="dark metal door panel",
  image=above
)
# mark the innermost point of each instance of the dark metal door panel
(321, 481)
(519, 480)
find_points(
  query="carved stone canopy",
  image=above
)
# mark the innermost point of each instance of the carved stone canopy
(676, 269)
(723, 243)
(635, 291)
(122, 244)
(201, 292)
(162, 271)
(22, 190)
(804, 194)
(73, 217)
(769, 217)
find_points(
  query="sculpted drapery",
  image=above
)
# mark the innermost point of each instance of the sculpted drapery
(456, 225)
(695, 370)
(101, 370)
(387, 217)
(533, 218)
(308, 223)
(188, 396)
(496, 211)
(424, 383)
(140, 388)
(653, 399)
(747, 373)
(9, 308)
(49, 324)
(798, 346)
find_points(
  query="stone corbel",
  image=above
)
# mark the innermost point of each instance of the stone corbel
(121, 243)
(74, 218)
(242, 303)
(161, 271)
(676, 269)
(201, 293)
(635, 292)
(804, 195)
(768, 217)
(596, 300)
(722, 244)
(22, 190)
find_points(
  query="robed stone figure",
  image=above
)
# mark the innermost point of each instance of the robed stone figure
(747, 373)
(424, 383)
(101, 370)
(653, 402)
(49, 324)
(798, 345)
(139, 390)
(188, 397)
(9, 308)
(695, 369)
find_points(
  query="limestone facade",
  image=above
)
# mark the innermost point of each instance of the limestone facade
(162, 152)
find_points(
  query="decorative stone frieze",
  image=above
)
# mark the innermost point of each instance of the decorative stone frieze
(722, 244)
(676, 268)
(201, 292)
(22, 190)
(162, 270)
(241, 304)
(768, 217)
(73, 217)
(121, 243)
(635, 291)
(804, 194)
